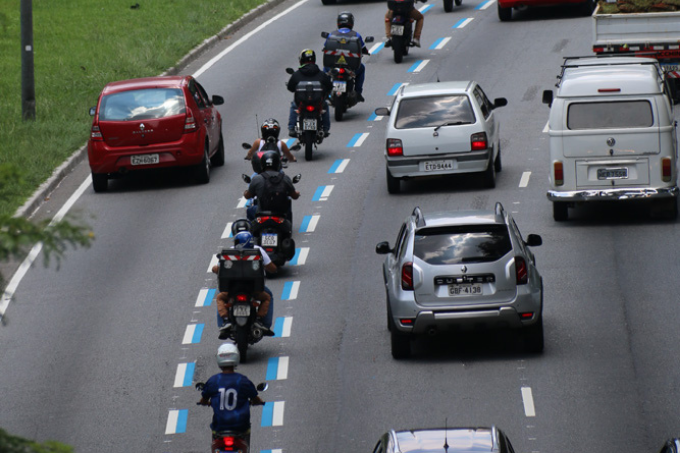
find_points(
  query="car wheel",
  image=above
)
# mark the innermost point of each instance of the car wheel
(401, 345)
(218, 158)
(533, 336)
(490, 175)
(202, 170)
(560, 211)
(498, 165)
(389, 316)
(504, 14)
(100, 182)
(448, 6)
(393, 184)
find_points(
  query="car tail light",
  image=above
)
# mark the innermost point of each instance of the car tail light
(478, 141)
(666, 169)
(558, 173)
(96, 134)
(309, 108)
(526, 315)
(190, 122)
(241, 298)
(394, 147)
(521, 271)
(407, 277)
(408, 322)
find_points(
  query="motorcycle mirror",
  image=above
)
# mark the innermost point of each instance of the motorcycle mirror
(245, 145)
(262, 386)
(369, 39)
(290, 71)
(246, 178)
(324, 34)
(200, 385)
(297, 178)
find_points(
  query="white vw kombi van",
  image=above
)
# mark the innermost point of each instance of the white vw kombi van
(612, 134)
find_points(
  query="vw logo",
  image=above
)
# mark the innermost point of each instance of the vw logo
(141, 127)
(611, 141)
(463, 269)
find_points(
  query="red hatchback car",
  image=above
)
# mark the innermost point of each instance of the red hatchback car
(154, 122)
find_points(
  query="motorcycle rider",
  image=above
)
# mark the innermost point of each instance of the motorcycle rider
(309, 71)
(265, 312)
(230, 395)
(345, 23)
(270, 139)
(413, 14)
(272, 175)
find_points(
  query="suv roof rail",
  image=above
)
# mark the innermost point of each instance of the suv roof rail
(500, 211)
(418, 214)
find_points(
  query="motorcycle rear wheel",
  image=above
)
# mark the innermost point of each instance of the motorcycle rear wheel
(340, 108)
(398, 47)
(242, 343)
(309, 145)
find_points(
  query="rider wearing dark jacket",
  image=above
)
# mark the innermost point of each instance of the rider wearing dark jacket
(309, 72)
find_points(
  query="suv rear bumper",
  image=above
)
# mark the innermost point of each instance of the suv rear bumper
(612, 194)
(431, 322)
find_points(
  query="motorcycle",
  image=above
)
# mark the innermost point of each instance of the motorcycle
(342, 56)
(231, 441)
(273, 231)
(401, 27)
(309, 101)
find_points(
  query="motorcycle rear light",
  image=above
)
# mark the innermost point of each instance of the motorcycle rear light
(558, 173)
(521, 271)
(228, 441)
(527, 315)
(406, 322)
(478, 141)
(341, 70)
(310, 108)
(407, 276)
(190, 122)
(394, 147)
(96, 134)
(666, 169)
(267, 217)
(241, 298)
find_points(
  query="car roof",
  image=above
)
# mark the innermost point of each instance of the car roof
(436, 88)
(458, 440)
(462, 217)
(146, 82)
(631, 75)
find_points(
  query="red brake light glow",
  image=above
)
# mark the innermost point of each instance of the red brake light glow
(309, 108)
(521, 270)
(478, 141)
(407, 277)
(241, 298)
(394, 147)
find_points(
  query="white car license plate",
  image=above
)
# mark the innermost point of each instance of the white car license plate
(241, 310)
(473, 289)
(612, 173)
(309, 124)
(144, 159)
(397, 30)
(269, 240)
(339, 86)
(436, 165)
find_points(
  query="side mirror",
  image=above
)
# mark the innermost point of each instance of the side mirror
(548, 97)
(200, 386)
(262, 386)
(500, 102)
(324, 34)
(534, 240)
(93, 110)
(369, 39)
(297, 178)
(245, 145)
(382, 111)
(217, 100)
(246, 178)
(383, 248)
(290, 70)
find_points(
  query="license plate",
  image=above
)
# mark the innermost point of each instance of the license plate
(339, 86)
(241, 310)
(144, 159)
(436, 165)
(612, 173)
(269, 240)
(473, 289)
(669, 67)
(309, 124)
(397, 30)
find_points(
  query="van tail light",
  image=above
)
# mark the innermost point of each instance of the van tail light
(666, 169)
(478, 141)
(558, 173)
(190, 122)
(521, 271)
(95, 133)
(407, 276)
(394, 147)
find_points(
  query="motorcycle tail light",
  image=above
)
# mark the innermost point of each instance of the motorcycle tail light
(241, 298)
(278, 219)
(478, 141)
(310, 108)
(666, 169)
(228, 441)
(558, 173)
(521, 271)
(96, 133)
(407, 276)
(394, 147)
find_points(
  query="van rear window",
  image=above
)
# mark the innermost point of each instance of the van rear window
(610, 115)
(142, 104)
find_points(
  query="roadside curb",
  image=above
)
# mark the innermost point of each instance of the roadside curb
(42, 192)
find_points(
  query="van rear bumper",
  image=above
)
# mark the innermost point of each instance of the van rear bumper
(621, 193)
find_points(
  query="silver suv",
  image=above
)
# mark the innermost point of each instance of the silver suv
(458, 270)
(452, 440)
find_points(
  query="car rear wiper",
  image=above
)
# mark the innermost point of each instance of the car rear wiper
(451, 123)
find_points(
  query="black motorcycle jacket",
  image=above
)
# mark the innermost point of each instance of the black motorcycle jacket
(310, 72)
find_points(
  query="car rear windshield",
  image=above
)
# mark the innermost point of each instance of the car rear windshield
(433, 111)
(462, 244)
(610, 115)
(144, 104)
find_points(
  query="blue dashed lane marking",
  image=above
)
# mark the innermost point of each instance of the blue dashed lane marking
(394, 89)
(425, 8)
(272, 413)
(462, 23)
(185, 374)
(377, 48)
(418, 66)
(309, 223)
(300, 256)
(440, 43)
(177, 421)
(193, 334)
(277, 368)
(339, 166)
(322, 193)
(205, 297)
(290, 290)
(357, 140)
(484, 5)
(282, 327)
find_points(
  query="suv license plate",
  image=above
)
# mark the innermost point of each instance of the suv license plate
(612, 173)
(339, 86)
(144, 159)
(435, 165)
(269, 240)
(308, 124)
(397, 30)
(474, 289)
(241, 310)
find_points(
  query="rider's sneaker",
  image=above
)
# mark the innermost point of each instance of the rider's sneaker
(388, 43)
(416, 42)
(225, 330)
(360, 98)
(266, 331)
(291, 133)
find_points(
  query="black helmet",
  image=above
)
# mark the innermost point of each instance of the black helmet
(271, 161)
(346, 20)
(307, 56)
(240, 225)
(270, 128)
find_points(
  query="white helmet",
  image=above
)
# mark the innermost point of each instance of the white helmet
(228, 355)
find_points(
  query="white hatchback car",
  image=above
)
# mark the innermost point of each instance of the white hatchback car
(441, 128)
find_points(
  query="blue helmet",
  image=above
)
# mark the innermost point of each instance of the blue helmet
(244, 239)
